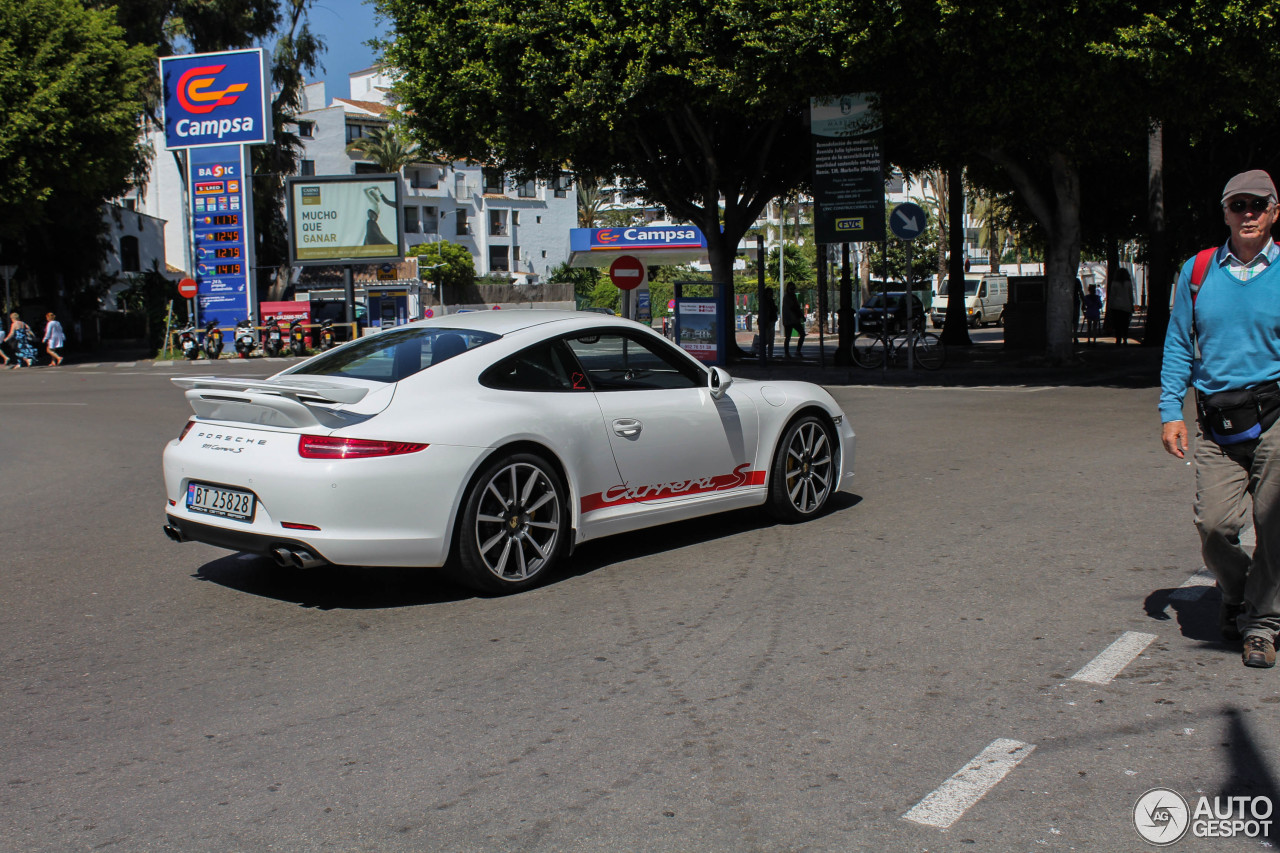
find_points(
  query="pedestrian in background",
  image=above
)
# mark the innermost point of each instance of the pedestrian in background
(1120, 304)
(4, 356)
(24, 341)
(768, 319)
(792, 321)
(1077, 302)
(1092, 314)
(54, 339)
(1223, 342)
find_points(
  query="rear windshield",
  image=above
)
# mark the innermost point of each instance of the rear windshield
(394, 355)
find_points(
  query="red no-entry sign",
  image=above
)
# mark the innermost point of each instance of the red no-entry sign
(627, 272)
(187, 288)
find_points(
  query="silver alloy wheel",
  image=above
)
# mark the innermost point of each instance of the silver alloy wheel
(809, 467)
(517, 522)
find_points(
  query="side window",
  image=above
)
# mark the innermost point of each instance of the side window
(545, 367)
(617, 362)
(982, 290)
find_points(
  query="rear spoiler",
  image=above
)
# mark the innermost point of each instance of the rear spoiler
(313, 391)
(267, 402)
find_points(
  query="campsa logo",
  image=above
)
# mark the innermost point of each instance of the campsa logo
(607, 236)
(195, 95)
(199, 93)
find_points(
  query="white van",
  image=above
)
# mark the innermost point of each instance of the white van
(984, 300)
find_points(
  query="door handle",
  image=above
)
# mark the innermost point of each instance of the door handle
(626, 427)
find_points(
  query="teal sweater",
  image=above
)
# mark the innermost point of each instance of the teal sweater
(1238, 324)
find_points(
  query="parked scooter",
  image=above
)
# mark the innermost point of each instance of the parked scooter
(244, 338)
(297, 337)
(272, 341)
(327, 338)
(187, 342)
(212, 339)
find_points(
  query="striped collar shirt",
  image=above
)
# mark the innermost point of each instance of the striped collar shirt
(1245, 271)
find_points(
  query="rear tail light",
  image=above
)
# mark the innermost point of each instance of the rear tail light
(332, 447)
(186, 429)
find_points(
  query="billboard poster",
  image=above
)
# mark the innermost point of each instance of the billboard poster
(215, 99)
(848, 172)
(345, 218)
(697, 329)
(221, 227)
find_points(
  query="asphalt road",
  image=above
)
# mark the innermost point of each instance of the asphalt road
(722, 685)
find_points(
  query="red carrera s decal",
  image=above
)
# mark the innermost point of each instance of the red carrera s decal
(625, 494)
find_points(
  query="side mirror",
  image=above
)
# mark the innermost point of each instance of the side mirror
(718, 381)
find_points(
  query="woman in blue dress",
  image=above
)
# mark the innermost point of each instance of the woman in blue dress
(24, 341)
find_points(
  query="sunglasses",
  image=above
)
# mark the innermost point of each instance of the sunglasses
(1257, 205)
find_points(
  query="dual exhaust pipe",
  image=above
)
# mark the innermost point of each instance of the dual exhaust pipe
(297, 558)
(286, 557)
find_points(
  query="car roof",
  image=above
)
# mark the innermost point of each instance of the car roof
(506, 321)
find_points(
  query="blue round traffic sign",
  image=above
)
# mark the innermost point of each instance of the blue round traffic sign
(908, 220)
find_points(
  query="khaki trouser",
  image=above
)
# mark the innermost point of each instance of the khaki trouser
(1225, 478)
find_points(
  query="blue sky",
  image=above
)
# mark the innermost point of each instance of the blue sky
(344, 26)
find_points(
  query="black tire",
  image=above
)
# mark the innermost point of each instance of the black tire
(867, 350)
(1000, 319)
(804, 471)
(514, 526)
(929, 351)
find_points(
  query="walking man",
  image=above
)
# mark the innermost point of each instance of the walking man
(1225, 340)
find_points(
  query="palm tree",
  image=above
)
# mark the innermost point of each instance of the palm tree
(995, 234)
(388, 148)
(590, 199)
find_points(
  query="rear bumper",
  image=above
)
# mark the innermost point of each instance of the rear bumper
(236, 540)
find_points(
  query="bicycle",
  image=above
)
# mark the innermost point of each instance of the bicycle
(870, 349)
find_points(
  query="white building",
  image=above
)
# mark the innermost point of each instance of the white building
(518, 231)
(137, 246)
(515, 230)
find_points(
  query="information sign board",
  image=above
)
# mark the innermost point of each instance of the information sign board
(220, 223)
(848, 175)
(697, 329)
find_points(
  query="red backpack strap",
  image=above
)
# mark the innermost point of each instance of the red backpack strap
(1199, 270)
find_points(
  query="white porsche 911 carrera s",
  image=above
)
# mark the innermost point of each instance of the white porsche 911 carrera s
(493, 443)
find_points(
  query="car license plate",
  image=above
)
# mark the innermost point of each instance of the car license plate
(219, 501)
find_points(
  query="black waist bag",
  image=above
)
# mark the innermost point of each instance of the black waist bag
(1234, 417)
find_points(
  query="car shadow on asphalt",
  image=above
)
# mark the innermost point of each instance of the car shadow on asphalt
(334, 587)
(376, 588)
(598, 553)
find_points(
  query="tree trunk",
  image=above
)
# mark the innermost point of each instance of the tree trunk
(1056, 206)
(955, 328)
(1160, 268)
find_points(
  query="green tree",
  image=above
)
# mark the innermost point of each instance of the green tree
(447, 265)
(696, 105)
(584, 280)
(388, 147)
(297, 53)
(1051, 122)
(71, 91)
(591, 198)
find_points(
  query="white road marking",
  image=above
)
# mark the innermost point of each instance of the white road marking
(1194, 587)
(1114, 658)
(950, 800)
